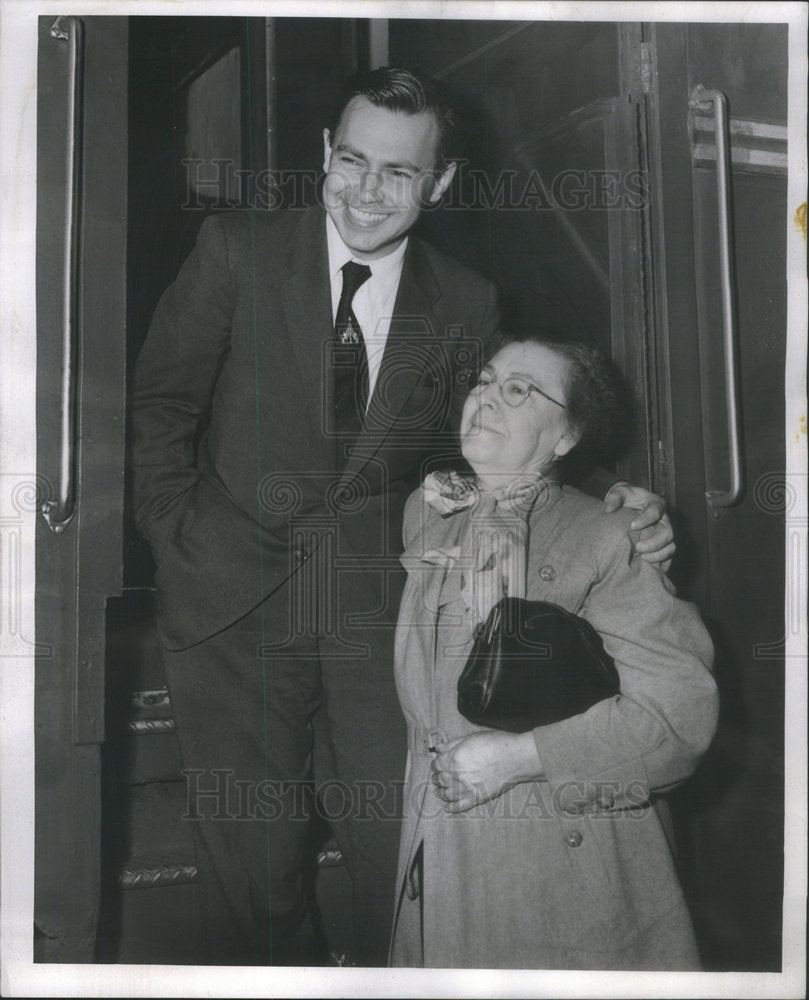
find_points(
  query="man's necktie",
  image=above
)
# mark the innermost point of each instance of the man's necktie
(350, 358)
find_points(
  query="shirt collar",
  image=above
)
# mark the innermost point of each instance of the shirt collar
(339, 254)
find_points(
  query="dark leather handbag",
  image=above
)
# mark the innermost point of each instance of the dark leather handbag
(533, 663)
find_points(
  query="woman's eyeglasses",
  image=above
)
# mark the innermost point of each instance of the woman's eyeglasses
(514, 390)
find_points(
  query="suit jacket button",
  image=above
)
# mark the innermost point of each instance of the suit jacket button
(574, 838)
(547, 573)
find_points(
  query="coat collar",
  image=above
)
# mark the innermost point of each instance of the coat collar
(442, 532)
(426, 576)
(434, 532)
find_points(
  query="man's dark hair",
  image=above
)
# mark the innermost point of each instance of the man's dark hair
(595, 395)
(407, 91)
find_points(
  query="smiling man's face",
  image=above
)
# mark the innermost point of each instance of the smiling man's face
(380, 172)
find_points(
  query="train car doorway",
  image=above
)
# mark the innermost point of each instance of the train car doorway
(590, 195)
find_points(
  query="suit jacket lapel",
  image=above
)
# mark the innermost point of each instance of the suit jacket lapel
(306, 298)
(412, 338)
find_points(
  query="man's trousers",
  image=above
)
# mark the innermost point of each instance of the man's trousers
(261, 709)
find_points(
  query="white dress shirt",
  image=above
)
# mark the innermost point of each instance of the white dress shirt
(374, 300)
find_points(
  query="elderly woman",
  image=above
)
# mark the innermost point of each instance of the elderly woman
(548, 848)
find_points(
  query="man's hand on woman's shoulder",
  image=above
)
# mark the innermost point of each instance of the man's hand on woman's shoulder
(654, 540)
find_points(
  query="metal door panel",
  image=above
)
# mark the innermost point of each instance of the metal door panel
(733, 564)
(78, 561)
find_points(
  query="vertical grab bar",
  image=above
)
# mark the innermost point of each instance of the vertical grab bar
(719, 500)
(59, 511)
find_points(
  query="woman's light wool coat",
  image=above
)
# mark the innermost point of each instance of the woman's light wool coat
(574, 871)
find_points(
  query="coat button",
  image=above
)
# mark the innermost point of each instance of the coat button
(573, 839)
(547, 573)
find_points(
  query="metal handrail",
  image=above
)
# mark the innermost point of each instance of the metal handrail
(719, 500)
(59, 511)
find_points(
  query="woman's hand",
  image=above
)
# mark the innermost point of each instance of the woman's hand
(655, 540)
(481, 766)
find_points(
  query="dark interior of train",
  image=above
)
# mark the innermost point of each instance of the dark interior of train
(214, 104)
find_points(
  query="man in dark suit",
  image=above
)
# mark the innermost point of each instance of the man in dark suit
(300, 377)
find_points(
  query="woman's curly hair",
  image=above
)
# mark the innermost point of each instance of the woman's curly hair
(596, 397)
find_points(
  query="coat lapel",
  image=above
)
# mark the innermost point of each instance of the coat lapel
(415, 638)
(306, 298)
(438, 534)
(415, 656)
(411, 342)
(412, 337)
